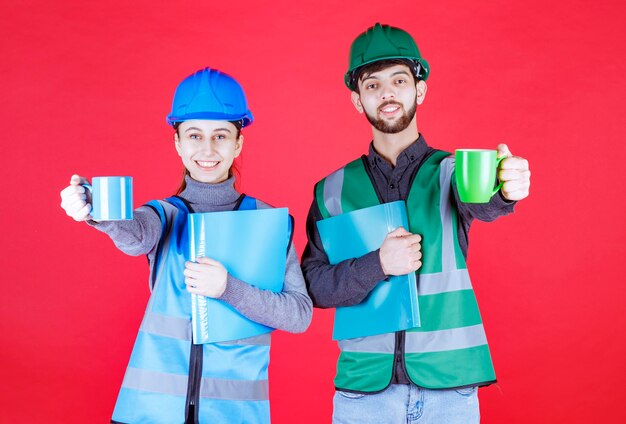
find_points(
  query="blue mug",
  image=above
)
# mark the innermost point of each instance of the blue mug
(111, 198)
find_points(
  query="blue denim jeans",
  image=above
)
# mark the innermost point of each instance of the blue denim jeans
(404, 403)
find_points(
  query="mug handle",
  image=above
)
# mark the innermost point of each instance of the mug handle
(497, 189)
(89, 187)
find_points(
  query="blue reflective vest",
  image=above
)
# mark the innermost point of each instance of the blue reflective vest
(169, 379)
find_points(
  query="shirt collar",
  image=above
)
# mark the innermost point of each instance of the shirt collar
(414, 152)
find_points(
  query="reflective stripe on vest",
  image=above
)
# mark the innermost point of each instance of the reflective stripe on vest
(180, 328)
(450, 348)
(233, 384)
(172, 384)
(332, 192)
(419, 342)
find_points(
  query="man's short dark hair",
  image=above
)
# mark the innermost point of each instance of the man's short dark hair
(370, 68)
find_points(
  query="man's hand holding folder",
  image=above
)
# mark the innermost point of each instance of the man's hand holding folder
(401, 252)
(392, 305)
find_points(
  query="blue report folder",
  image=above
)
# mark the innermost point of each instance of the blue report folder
(252, 246)
(392, 305)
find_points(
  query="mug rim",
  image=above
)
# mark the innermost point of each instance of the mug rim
(112, 176)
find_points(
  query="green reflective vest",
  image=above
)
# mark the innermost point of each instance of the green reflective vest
(450, 348)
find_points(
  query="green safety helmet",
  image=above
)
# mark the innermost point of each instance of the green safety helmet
(382, 42)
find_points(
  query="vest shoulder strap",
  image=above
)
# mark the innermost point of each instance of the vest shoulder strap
(163, 209)
(158, 208)
(344, 190)
(246, 203)
(181, 204)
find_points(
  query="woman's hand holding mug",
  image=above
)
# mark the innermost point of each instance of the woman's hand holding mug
(74, 199)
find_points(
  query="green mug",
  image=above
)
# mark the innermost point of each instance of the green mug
(476, 174)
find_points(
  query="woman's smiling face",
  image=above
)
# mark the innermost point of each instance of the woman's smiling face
(208, 148)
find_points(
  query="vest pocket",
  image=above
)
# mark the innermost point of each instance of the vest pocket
(350, 395)
(466, 391)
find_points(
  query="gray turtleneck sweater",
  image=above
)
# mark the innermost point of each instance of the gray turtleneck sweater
(289, 310)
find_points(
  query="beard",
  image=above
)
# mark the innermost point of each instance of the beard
(393, 127)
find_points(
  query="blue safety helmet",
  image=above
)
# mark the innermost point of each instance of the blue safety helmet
(210, 94)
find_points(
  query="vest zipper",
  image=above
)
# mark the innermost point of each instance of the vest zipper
(399, 354)
(193, 385)
(195, 366)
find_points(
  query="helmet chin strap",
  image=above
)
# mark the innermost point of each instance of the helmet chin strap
(416, 69)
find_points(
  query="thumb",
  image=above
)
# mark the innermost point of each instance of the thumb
(398, 232)
(207, 261)
(78, 180)
(503, 151)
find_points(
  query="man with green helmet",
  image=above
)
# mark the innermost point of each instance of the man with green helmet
(427, 374)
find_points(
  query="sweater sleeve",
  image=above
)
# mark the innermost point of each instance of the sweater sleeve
(496, 207)
(487, 212)
(344, 284)
(134, 237)
(290, 310)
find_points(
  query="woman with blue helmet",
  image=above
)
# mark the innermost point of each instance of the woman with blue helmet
(170, 379)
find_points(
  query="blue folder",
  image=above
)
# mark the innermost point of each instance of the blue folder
(252, 246)
(392, 305)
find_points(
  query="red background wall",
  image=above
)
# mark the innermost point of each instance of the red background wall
(86, 87)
